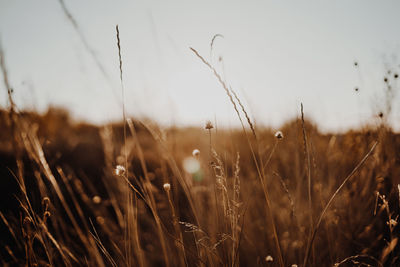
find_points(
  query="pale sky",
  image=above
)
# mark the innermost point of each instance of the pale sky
(276, 54)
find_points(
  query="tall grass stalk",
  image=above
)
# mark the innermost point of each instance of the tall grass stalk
(356, 168)
(261, 174)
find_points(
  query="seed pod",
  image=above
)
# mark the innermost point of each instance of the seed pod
(167, 187)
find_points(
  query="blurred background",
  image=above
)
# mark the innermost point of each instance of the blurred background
(275, 55)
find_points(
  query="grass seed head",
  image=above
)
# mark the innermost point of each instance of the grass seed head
(279, 135)
(392, 223)
(196, 153)
(209, 125)
(96, 200)
(269, 258)
(167, 187)
(120, 170)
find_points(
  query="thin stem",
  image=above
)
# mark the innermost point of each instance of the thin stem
(261, 174)
(307, 155)
(331, 200)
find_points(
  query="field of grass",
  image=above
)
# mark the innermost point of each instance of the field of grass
(137, 194)
(75, 194)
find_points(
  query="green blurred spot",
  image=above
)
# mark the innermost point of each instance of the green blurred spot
(198, 176)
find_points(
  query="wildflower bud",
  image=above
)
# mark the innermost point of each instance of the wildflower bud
(269, 258)
(392, 223)
(96, 200)
(119, 170)
(209, 125)
(279, 135)
(196, 153)
(167, 187)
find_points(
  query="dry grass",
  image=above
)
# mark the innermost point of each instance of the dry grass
(133, 194)
(211, 216)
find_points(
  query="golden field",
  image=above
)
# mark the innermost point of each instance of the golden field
(133, 193)
(75, 194)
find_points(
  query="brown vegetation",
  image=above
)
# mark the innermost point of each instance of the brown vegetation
(135, 194)
(241, 206)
